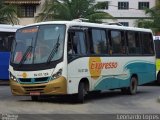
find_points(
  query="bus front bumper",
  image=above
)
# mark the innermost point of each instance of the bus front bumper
(54, 87)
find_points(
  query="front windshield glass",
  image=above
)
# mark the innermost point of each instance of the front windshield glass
(34, 45)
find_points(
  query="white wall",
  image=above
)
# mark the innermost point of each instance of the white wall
(112, 9)
(131, 12)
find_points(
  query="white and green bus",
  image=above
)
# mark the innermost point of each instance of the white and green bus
(74, 58)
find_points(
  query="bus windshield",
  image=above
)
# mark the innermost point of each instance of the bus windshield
(38, 44)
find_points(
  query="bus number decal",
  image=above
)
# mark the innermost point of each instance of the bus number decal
(40, 74)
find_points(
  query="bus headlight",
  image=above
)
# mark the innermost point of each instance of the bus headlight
(13, 78)
(56, 75)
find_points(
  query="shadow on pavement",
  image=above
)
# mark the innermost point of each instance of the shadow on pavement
(4, 82)
(90, 97)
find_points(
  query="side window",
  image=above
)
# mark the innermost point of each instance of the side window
(77, 43)
(81, 46)
(133, 42)
(6, 41)
(99, 41)
(117, 42)
(147, 41)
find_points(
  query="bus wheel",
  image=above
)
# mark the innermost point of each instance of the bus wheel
(35, 98)
(133, 86)
(81, 93)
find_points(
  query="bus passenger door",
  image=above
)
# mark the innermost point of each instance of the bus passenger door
(77, 60)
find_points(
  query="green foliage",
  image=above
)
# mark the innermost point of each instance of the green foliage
(8, 13)
(71, 9)
(102, 5)
(154, 22)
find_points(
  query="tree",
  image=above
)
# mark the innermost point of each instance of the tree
(8, 13)
(154, 22)
(72, 9)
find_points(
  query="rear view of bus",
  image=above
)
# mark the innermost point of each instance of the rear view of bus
(7, 33)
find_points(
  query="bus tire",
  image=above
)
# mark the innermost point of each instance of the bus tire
(35, 98)
(133, 86)
(81, 93)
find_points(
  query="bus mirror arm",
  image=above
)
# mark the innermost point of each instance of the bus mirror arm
(14, 43)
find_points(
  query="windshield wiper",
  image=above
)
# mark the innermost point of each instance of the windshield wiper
(25, 55)
(54, 50)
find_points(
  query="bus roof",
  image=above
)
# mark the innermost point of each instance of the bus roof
(87, 24)
(9, 28)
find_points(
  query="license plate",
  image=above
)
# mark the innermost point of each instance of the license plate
(34, 93)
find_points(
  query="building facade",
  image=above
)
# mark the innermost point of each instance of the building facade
(27, 9)
(125, 11)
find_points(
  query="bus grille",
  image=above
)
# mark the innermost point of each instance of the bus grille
(33, 80)
(29, 89)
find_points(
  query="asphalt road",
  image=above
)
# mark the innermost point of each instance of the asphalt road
(145, 101)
